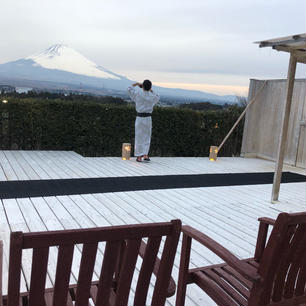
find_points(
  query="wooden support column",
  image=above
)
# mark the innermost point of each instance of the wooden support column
(284, 129)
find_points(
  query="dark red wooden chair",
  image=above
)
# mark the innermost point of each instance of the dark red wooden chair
(123, 245)
(275, 276)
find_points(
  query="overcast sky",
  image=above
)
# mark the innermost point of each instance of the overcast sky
(196, 44)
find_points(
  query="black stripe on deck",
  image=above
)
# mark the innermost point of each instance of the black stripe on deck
(43, 188)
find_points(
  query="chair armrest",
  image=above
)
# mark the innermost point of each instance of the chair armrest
(268, 221)
(243, 268)
(172, 285)
(262, 236)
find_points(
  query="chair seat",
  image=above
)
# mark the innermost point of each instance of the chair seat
(49, 299)
(223, 284)
(24, 300)
(48, 296)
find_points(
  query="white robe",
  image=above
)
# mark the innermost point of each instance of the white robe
(144, 101)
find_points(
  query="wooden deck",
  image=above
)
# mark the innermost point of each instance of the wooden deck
(227, 214)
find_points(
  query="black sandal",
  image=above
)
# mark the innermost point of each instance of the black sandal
(139, 159)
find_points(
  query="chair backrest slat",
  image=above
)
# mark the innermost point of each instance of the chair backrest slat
(122, 246)
(297, 251)
(14, 269)
(301, 280)
(166, 263)
(146, 270)
(85, 273)
(119, 261)
(285, 261)
(63, 269)
(112, 250)
(282, 265)
(127, 271)
(38, 276)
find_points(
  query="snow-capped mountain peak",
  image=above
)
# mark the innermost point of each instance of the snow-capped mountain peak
(52, 51)
(64, 58)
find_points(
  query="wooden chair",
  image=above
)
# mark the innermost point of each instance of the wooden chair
(275, 276)
(123, 245)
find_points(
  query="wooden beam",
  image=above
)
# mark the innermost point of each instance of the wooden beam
(282, 41)
(284, 129)
(242, 114)
(296, 52)
(301, 59)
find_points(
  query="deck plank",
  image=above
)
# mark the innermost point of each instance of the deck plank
(66, 164)
(35, 224)
(7, 168)
(17, 223)
(55, 217)
(18, 169)
(228, 214)
(56, 165)
(28, 169)
(45, 164)
(73, 167)
(5, 237)
(43, 175)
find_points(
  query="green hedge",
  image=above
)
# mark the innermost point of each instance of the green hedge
(94, 129)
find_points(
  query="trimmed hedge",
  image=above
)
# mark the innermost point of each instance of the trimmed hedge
(94, 129)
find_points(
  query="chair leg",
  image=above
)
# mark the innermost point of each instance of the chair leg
(1, 263)
(183, 273)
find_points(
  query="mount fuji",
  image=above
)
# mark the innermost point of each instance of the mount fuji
(62, 68)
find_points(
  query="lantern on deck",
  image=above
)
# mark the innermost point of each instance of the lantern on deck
(213, 152)
(126, 151)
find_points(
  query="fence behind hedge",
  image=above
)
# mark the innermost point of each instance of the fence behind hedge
(94, 129)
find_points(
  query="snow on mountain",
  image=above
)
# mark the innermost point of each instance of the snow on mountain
(64, 58)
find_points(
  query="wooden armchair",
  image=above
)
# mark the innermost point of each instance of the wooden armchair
(276, 276)
(122, 247)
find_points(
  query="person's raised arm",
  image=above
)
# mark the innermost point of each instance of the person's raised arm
(137, 84)
(131, 90)
(156, 96)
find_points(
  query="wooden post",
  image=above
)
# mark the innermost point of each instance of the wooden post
(284, 130)
(241, 115)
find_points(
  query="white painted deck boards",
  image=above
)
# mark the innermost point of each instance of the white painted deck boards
(35, 165)
(227, 214)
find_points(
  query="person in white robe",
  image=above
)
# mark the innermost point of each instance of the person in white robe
(144, 99)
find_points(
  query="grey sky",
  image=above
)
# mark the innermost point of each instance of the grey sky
(191, 42)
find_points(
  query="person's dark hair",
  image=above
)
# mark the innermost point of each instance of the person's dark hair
(147, 85)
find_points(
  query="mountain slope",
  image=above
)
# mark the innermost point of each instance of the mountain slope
(68, 68)
(60, 57)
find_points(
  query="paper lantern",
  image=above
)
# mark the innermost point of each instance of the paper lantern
(126, 151)
(213, 152)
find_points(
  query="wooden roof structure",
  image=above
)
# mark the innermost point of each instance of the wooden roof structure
(295, 45)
